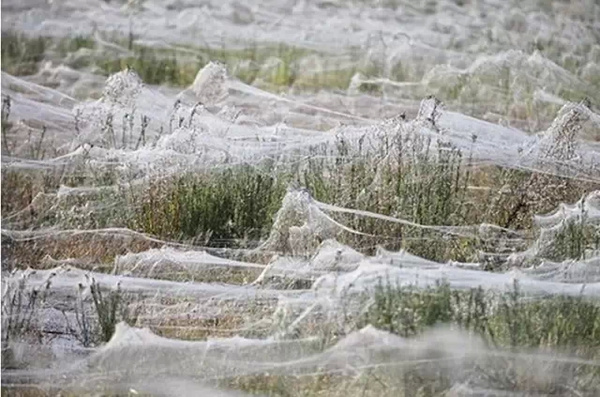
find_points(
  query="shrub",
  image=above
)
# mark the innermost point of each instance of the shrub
(21, 54)
(508, 319)
(225, 205)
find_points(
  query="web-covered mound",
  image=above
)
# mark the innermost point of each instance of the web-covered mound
(513, 72)
(307, 283)
(568, 219)
(135, 131)
(135, 356)
(348, 271)
(158, 263)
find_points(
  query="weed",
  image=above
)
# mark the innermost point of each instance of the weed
(85, 333)
(21, 54)
(110, 309)
(222, 206)
(6, 125)
(507, 320)
(419, 183)
(69, 45)
(20, 308)
(574, 240)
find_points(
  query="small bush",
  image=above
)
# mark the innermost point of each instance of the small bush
(506, 320)
(420, 184)
(110, 308)
(223, 206)
(574, 241)
(21, 54)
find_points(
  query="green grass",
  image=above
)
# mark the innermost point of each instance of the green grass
(236, 205)
(68, 45)
(509, 319)
(574, 241)
(426, 187)
(110, 307)
(511, 324)
(429, 187)
(274, 65)
(22, 54)
(424, 183)
(220, 207)
(153, 69)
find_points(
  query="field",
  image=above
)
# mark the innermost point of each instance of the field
(300, 198)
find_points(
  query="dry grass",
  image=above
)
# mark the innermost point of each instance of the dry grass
(91, 251)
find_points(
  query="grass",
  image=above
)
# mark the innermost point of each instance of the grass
(23, 189)
(95, 251)
(432, 185)
(429, 183)
(407, 176)
(22, 54)
(153, 69)
(35, 147)
(110, 308)
(507, 320)
(68, 45)
(220, 207)
(239, 203)
(20, 307)
(424, 185)
(279, 67)
(6, 125)
(575, 241)
(226, 206)
(273, 66)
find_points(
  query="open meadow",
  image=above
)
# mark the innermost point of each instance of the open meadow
(300, 198)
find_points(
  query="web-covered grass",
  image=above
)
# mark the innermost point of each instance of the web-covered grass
(297, 214)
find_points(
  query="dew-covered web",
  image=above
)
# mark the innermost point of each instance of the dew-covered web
(520, 95)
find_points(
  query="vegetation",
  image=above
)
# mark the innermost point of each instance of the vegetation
(110, 308)
(21, 54)
(504, 320)
(575, 241)
(430, 199)
(234, 205)
(507, 322)
(20, 306)
(220, 208)
(272, 66)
